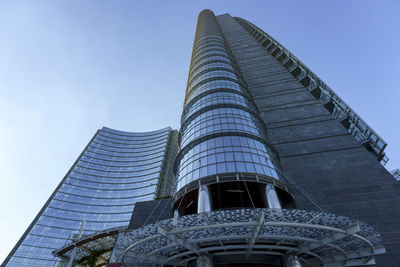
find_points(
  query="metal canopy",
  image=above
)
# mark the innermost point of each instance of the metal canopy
(101, 244)
(319, 239)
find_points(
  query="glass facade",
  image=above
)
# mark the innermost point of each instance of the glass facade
(116, 170)
(221, 132)
(226, 169)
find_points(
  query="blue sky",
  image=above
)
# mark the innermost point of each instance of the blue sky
(70, 67)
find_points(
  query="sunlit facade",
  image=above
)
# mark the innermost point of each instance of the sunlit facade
(116, 170)
(266, 172)
(222, 134)
(273, 169)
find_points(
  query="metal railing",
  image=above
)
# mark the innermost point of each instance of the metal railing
(339, 109)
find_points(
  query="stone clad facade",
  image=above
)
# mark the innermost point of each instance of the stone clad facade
(315, 149)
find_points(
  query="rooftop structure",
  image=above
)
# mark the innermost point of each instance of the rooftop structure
(396, 174)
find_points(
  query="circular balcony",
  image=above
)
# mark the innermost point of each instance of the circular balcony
(248, 235)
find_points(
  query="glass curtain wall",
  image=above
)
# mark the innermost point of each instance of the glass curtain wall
(115, 170)
(221, 132)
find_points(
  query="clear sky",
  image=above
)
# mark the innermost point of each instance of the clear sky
(69, 67)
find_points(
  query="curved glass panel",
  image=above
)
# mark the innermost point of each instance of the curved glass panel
(210, 58)
(214, 85)
(218, 113)
(227, 154)
(228, 76)
(221, 120)
(109, 186)
(213, 46)
(208, 39)
(116, 170)
(207, 44)
(211, 74)
(217, 98)
(222, 65)
(111, 179)
(211, 54)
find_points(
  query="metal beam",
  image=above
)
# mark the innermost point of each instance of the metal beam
(351, 256)
(164, 231)
(366, 241)
(215, 231)
(230, 253)
(355, 262)
(337, 235)
(83, 247)
(256, 232)
(239, 224)
(137, 243)
(230, 247)
(243, 237)
(153, 259)
(232, 237)
(358, 262)
(72, 256)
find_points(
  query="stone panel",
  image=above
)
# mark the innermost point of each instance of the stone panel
(148, 212)
(316, 151)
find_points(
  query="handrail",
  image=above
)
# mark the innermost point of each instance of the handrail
(341, 111)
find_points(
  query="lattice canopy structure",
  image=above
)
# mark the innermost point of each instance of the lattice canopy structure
(96, 248)
(317, 238)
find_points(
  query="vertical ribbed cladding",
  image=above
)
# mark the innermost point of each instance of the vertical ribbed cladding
(224, 151)
(165, 186)
(116, 170)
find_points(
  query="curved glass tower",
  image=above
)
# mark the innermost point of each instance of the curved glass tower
(231, 203)
(254, 117)
(115, 170)
(225, 159)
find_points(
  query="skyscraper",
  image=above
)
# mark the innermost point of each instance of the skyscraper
(271, 161)
(222, 135)
(324, 146)
(274, 169)
(116, 170)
